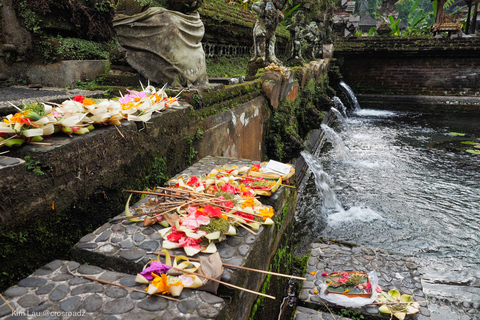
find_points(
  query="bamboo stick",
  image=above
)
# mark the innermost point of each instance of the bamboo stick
(40, 143)
(116, 127)
(185, 191)
(389, 303)
(258, 179)
(243, 268)
(225, 283)
(8, 304)
(129, 288)
(248, 229)
(156, 194)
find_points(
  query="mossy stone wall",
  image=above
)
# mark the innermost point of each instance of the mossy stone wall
(410, 66)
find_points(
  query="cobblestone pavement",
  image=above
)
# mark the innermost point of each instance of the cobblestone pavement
(394, 272)
(309, 314)
(59, 291)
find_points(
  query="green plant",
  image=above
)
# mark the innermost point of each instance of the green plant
(355, 315)
(397, 305)
(33, 166)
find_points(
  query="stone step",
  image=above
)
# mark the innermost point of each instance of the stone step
(58, 291)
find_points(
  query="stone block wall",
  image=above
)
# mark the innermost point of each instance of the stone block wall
(422, 66)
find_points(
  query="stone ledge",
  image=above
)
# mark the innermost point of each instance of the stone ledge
(439, 104)
(58, 291)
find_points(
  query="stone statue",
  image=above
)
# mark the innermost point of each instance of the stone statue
(269, 15)
(165, 45)
(311, 34)
(296, 26)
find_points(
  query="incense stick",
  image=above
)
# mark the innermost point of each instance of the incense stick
(129, 288)
(8, 304)
(225, 283)
(244, 268)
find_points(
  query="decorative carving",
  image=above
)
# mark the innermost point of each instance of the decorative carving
(269, 15)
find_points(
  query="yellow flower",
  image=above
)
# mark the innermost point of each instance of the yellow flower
(346, 291)
(313, 273)
(88, 102)
(266, 212)
(161, 283)
(315, 291)
(248, 203)
(128, 105)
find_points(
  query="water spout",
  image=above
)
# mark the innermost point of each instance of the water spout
(351, 95)
(338, 146)
(340, 106)
(322, 181)
(342, 120)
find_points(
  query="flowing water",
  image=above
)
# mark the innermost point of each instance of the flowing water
(407, 186)
(351, 95)
(341, 119)
(340, 106)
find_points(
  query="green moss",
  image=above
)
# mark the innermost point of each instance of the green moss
(224, 67)
(58, 48)
(216, 224)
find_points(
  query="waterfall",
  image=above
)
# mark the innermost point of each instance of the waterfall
(340, 106)
(322, 181)
(338, 146)
(351, 95)
(342, 120)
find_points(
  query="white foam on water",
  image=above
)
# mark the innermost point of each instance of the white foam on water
(370, 164)
(374, 113)
(353, 214)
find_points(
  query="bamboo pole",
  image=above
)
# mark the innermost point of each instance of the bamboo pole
(258, 179)
(225, 283)
(8, 304)
(129, 288)
(156, 194)
(390, 303)
(243, 268)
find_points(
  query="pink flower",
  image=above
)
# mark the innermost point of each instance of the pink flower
(126, 99)
(189, 242)
(190, 222)
(324, 274)
(343, 280)
(227, 187)
(186, 281)
(379, 289)
(155, 267)
(136, 94)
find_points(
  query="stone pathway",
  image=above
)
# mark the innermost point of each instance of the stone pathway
(394, 272)
(53, 292)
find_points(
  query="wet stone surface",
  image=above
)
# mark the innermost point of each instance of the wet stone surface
(89, 299)
(406, 274)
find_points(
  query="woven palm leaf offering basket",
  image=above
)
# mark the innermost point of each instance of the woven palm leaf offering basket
(350, 284)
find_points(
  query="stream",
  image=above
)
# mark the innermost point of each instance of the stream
(401, 182)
